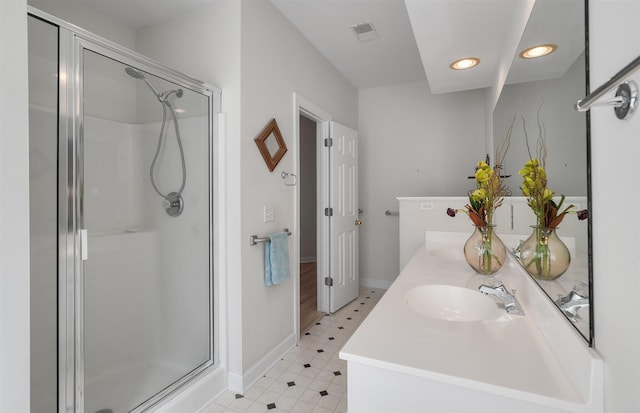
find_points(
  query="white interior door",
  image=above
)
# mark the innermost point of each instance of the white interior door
(343, 221)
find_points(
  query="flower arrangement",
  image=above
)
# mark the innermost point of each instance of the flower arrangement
(543, 254)
(490, 190)
(549, 213)
(484, 251)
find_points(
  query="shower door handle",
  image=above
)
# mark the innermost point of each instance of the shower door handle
(84, 247)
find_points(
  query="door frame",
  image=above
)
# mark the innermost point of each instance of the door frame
(303, 106)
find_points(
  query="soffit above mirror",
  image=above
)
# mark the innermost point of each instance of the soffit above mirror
(557, 22)
(447, 30)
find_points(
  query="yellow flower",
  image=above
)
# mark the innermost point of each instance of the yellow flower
(528, 182)
(483, 172)
(547, 195)
(531, 168)
(479, 195)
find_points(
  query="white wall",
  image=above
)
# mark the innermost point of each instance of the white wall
(276, 61)
(616, 232)
(14, 209)
(412, 143)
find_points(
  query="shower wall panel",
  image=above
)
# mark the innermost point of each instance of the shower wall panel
(112, 182)
(184, 276)
(123, 335)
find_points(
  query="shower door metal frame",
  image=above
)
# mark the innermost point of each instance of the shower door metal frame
(72, 43)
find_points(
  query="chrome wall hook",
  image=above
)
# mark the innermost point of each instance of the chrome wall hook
(286, 175)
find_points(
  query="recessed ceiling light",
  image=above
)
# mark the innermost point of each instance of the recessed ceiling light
(538, 51)
(466, 63)
(365, 31)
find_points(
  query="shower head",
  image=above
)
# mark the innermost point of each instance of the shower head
(133, 73)
(138, 75)
(162, 97)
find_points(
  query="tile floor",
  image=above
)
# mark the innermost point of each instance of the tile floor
(310, 378)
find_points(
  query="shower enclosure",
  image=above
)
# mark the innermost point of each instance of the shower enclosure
(122, 202)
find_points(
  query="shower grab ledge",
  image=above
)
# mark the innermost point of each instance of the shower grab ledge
(255, 240)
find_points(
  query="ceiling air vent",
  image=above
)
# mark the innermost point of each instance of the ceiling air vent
(365, 31)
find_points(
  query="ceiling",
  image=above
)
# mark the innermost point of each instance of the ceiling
(393, 58)
(418, 39)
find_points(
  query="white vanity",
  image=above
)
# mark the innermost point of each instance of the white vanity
(408, 357)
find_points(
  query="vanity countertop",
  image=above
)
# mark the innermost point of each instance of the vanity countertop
(509, 356)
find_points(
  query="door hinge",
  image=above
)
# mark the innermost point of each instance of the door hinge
(328, 142)
(328, 212)
(328, 281)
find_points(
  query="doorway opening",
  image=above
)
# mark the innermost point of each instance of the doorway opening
(309, 313)
(326, 199)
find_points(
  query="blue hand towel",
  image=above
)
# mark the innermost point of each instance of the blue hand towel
(276, 259)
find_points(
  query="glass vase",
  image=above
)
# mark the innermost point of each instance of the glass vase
(544, 255)
(484, 250)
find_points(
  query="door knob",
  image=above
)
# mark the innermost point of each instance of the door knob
(358, 222)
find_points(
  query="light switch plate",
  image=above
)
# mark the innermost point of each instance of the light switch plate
(269, 215)
(426, 206)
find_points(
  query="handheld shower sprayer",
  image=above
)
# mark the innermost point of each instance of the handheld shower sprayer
(172, 202)
(162, 97)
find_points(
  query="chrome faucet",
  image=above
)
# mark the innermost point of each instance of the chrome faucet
(511, 304)
(571, 303)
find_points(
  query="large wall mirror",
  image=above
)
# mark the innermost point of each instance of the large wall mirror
(550, 86)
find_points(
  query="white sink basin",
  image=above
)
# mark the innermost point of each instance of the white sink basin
(447, 302)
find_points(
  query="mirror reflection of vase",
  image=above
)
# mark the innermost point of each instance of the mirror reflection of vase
(544, 255)
(484, 251)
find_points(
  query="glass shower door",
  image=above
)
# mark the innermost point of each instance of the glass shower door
(145, 199)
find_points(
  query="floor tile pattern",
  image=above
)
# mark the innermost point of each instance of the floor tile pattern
(310, 378)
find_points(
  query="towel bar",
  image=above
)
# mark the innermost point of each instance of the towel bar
(626, 95)
(254, 239)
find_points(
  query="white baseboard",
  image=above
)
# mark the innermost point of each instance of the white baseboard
(306, 260)
(239, 384)
(373, 283)
(235, 383)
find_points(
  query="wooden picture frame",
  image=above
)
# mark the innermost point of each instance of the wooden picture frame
(271, 144)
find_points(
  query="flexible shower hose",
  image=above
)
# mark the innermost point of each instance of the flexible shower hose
(165, 105)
